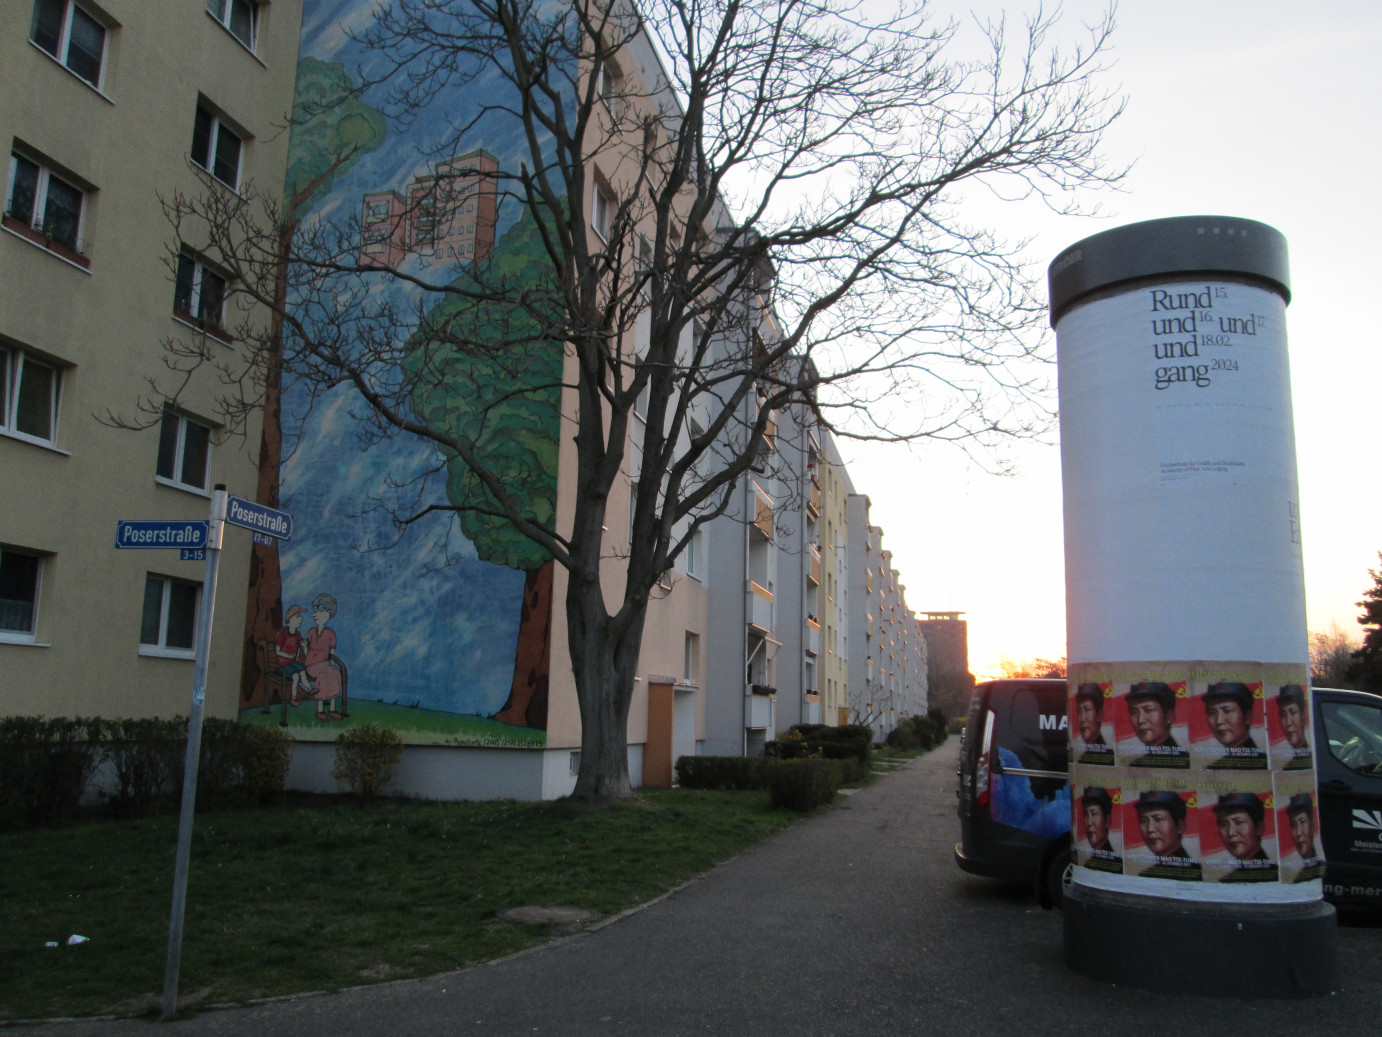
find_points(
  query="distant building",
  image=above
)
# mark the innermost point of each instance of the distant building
(947, 645)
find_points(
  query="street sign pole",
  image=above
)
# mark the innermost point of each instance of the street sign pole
(194, 746)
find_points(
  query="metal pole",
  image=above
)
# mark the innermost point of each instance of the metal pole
(194, 747)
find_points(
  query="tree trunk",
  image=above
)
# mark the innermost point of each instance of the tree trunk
(264, 604)
(603, 661)
(527, 704)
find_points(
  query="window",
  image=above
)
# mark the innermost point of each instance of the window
(184, 452)
(216, 147)
(691, 666)
(692, 555)
(169, 622)
(602, 212)
(199, 293)
(1354, 731)
(41, 201)
(20, 574)
(68, 33)
(28, 396)
(241, 17)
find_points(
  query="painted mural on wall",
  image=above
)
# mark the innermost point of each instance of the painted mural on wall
(440, 630)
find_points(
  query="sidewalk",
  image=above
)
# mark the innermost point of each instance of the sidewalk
(853, 922)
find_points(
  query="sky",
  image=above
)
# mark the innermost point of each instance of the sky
(1263, 109)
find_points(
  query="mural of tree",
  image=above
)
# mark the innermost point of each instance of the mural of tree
(331, 130)
(506, 402)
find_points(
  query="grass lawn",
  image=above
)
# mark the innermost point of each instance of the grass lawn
(318, 894)
(415, 726)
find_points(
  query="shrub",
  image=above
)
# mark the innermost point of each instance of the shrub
(45, 766)
(803, 784)
(904, 736)
(267, 755)
(221, 768)
(147, 756)
(942, 723)
(852, 772)
(720, 772)
(837, 743)
(365, 758)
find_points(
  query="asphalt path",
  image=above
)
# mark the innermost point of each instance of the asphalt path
(855, 921)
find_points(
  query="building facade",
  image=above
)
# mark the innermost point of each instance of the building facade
(109, 110)
(453, 635)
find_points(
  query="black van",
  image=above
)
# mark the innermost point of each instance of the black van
(1015, 796)
(1013, 786)
(1348, 767)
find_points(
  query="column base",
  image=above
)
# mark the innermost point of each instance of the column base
(1207, 949)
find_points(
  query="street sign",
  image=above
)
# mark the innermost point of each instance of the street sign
(259, 517)
(161, 533)
(192, 554)
(264, 538)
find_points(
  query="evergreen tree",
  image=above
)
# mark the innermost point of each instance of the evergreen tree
(1366, 671)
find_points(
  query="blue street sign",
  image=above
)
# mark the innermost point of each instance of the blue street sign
(161, 533)
(259, 517)
(192, 554)
(265, 539)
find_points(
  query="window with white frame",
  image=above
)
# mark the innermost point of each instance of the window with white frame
(28, 396)
(216, 147)
(72, 36)
(168, 624)
(691, 664)
(199, 293)
(691, 555)
(184, 452)
(45, 202)
(21, 575)
(241, 17)
(602, 212)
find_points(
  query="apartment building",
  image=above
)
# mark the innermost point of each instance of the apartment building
(888, 678)
(454, 637)
(108, 109)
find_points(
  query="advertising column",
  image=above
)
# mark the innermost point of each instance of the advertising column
(1185, 612)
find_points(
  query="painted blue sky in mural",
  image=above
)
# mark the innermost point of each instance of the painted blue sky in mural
(424, 620)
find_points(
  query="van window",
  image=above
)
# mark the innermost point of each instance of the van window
(1033, 726)
(1355, 735)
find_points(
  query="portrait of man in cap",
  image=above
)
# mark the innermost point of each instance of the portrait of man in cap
(1091, 745)
(1161, 823)
(1240, 817)
(1228, 712)
(1304, 862)
(1294, 715)
(1152, 713)
(1097, 849)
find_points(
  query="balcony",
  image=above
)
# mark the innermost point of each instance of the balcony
(762, 702)
(815, 572)
(813, 637)
(760, 608)
(813, 499)
(763, 513)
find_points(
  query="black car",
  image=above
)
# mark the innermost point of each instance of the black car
(1015, 797)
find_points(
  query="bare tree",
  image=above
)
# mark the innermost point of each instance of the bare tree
(1033, 667)
(724, 208)
(1331, 654)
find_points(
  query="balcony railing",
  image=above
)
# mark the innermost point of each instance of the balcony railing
(760, 607)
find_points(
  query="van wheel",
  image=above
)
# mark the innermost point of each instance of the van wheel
(1056, 874)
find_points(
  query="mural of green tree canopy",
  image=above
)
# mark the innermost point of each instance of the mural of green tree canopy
(438, 627)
